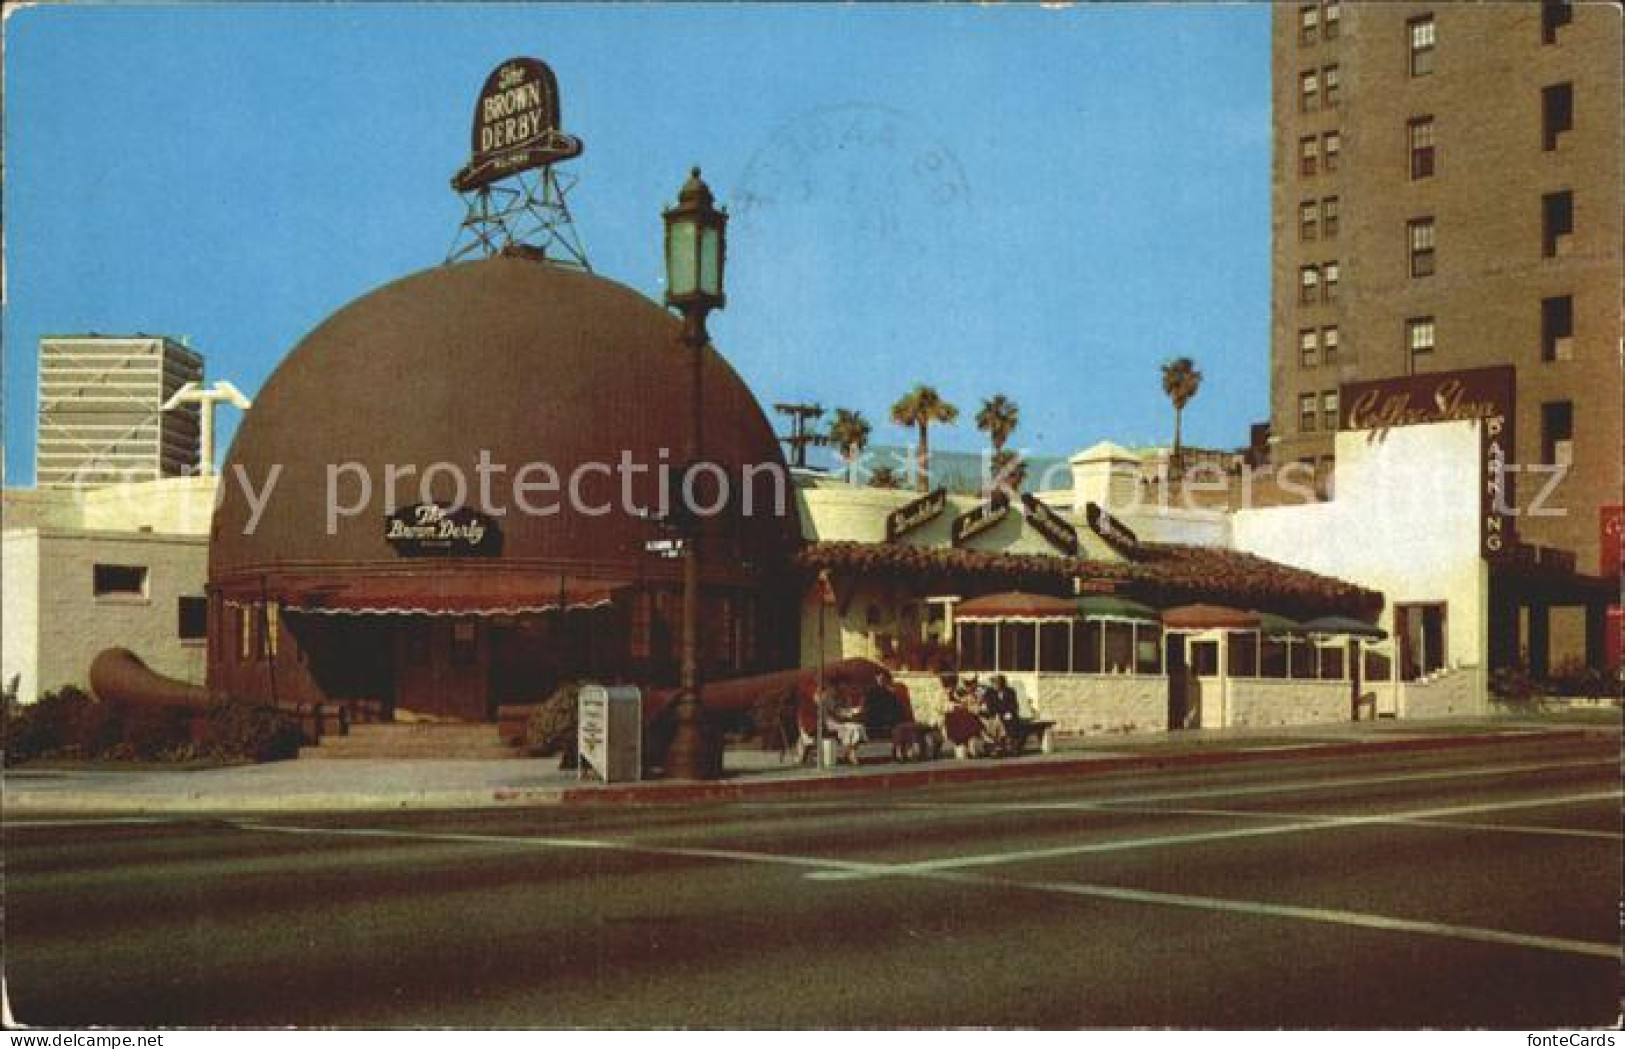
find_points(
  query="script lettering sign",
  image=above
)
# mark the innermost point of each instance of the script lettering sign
(436, 530)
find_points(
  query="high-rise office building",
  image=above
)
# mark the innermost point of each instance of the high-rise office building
(1446, 196)
(100, 410)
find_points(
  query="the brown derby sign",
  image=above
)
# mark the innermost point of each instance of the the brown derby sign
(1117, 534)
(1049, 524)
(516, 125)
(912, 515)
(430, 529)
(973, 523)
(1482, 394)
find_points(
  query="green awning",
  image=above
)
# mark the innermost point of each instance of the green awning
(1274, 625)
(1108, 606)
(1344, 625)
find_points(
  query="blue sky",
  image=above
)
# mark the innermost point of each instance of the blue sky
(1040, 202)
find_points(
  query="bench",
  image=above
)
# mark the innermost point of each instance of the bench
(1023, 730)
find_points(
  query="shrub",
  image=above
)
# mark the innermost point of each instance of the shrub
(155, 734)
(1574, 678)
(239, 731)
(60, 722)
(1514, 687)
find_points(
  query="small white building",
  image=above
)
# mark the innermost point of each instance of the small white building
(82, 571)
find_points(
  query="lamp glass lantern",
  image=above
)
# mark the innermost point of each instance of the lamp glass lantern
(696, 248)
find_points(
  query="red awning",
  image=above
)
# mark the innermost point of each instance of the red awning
(1209, 617)
(1016, 605)
(453, 595)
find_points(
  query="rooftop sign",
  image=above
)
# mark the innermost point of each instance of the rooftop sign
(516, 125)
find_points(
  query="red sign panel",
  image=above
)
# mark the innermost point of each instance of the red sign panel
(1611, 523)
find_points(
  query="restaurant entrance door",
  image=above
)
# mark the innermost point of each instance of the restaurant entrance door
(1179, 686)
(443, 667)
(1206, 679)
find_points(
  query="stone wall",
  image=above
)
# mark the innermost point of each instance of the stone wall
(1083, 704)
(1255, 702)
(1460, 691)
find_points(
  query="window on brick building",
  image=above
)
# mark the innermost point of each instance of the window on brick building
(1328, 345)
(1554, 14)
(1556, 223)
(1308, 23)
(1420, 133)
(1308, 155)
(1332, 84)
(1556, 113)
(1557, 328)
(1308, 348)
(1308, 91)
(1332, 20)
(1421, 237)
(1308, 220)
(1328, 411)
(1332, 147)
(1422, 41)
(1328, 282)
(1306, 413)
(1308, 284)
(1328, 217)
(1557, 433)
(1419, 343)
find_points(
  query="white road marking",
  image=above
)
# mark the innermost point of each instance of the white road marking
(1286, 787)
(1402, 821)
(1304, 826)
(514, 841)
(107, 822)
(1355, 919)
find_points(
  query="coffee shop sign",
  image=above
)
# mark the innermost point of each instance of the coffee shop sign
(1380, 410)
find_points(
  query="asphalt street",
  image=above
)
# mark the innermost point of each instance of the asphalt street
(1464, 888)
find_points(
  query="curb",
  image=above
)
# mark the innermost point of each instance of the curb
(658, 792)
(678, 793)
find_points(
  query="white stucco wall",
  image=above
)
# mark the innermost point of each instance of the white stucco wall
(1404, 521)
(71, 624)
(19, 610)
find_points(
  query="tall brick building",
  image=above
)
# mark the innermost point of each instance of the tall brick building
(1446, 195)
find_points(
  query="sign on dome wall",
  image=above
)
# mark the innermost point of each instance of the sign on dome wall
(438, 530)
(516, 125)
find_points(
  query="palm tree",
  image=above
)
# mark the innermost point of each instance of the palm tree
(1180, 381)
(884, 477)
(919, 408)
(849, 433)
(1008, 470)
(998, 419)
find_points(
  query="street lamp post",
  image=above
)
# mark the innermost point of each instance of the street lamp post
(696, 239)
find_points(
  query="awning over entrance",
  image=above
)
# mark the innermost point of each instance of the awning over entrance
(1210, 617)
(1016, 605)
(453, 595)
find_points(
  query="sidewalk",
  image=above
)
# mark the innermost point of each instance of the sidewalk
(360, 785)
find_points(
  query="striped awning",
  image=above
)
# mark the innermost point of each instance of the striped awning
(1119, 609)
(452, 595)
(1209, 617)
(1344, 625)
(1016, 605)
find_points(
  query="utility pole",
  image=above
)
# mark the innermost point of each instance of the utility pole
(801, 415)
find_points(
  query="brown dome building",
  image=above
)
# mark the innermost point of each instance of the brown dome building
(459, 469)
